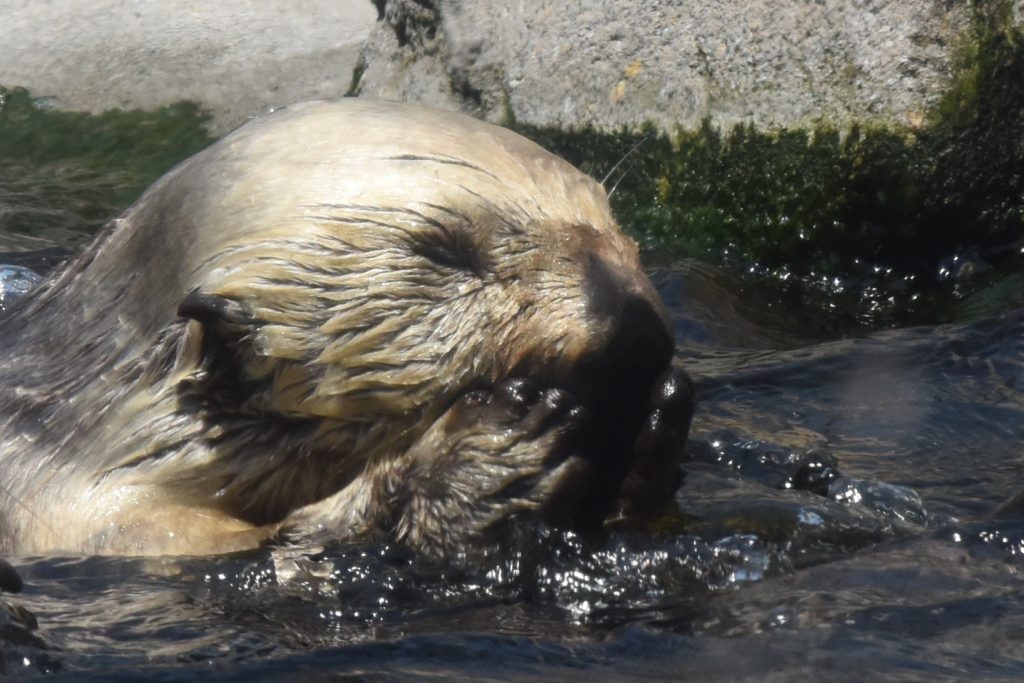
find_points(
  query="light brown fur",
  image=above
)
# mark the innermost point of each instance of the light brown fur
(285, 316)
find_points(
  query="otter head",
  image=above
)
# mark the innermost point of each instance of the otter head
(372, 264)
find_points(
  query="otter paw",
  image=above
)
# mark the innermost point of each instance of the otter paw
(514, 410)
(655, 473)
(494, 455)
(534, 410)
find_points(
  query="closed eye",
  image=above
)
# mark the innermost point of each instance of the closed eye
(450, 248)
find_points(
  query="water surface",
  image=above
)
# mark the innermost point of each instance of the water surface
(831, 525)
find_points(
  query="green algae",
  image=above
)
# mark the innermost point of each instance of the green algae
(807, 199)
(139, 145)
(976, 140)
(64, 174)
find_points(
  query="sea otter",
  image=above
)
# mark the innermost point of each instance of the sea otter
(345, 318)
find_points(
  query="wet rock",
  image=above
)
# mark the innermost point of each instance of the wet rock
(18, 626)
(19, 642)
(10, 582)
(18, 639)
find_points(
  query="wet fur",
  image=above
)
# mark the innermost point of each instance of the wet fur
(286, 317)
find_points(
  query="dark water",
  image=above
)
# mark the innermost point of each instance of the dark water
(828, 529)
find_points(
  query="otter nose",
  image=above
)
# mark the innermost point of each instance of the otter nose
(637, 343)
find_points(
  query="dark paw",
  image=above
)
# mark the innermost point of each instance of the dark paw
(655, 473)
(10, 582)
(518, 403)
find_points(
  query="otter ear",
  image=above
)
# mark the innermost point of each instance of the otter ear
(227, 324)
(225, 344)
(227, 318)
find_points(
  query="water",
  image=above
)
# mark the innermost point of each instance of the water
(831, 526)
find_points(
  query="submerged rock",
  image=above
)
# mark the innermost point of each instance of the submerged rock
(10, 582)
(19, 642)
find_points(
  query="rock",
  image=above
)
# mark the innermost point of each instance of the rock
(615, 62)
(18, 626)
(10, 582)
(235, 58)
(20, 643)
(553, 63)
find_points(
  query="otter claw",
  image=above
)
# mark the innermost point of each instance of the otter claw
(519, 404)
(518, 401)
(517, 392)
(553, 406)
(477, 398)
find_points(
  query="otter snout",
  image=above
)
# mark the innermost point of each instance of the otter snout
(636, 341)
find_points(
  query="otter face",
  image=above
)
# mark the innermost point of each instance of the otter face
(368, 289)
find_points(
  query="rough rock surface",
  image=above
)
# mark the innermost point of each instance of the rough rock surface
(614, 62)
(547, 62)
(234, 57)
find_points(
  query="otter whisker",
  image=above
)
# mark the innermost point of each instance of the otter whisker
(618, 163)
(442, 160)
(31, 513)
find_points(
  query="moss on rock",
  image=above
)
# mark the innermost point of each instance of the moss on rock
(880, 214)
(64, 174)
(140, 145)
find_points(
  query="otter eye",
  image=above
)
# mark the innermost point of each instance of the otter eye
(451, 248)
